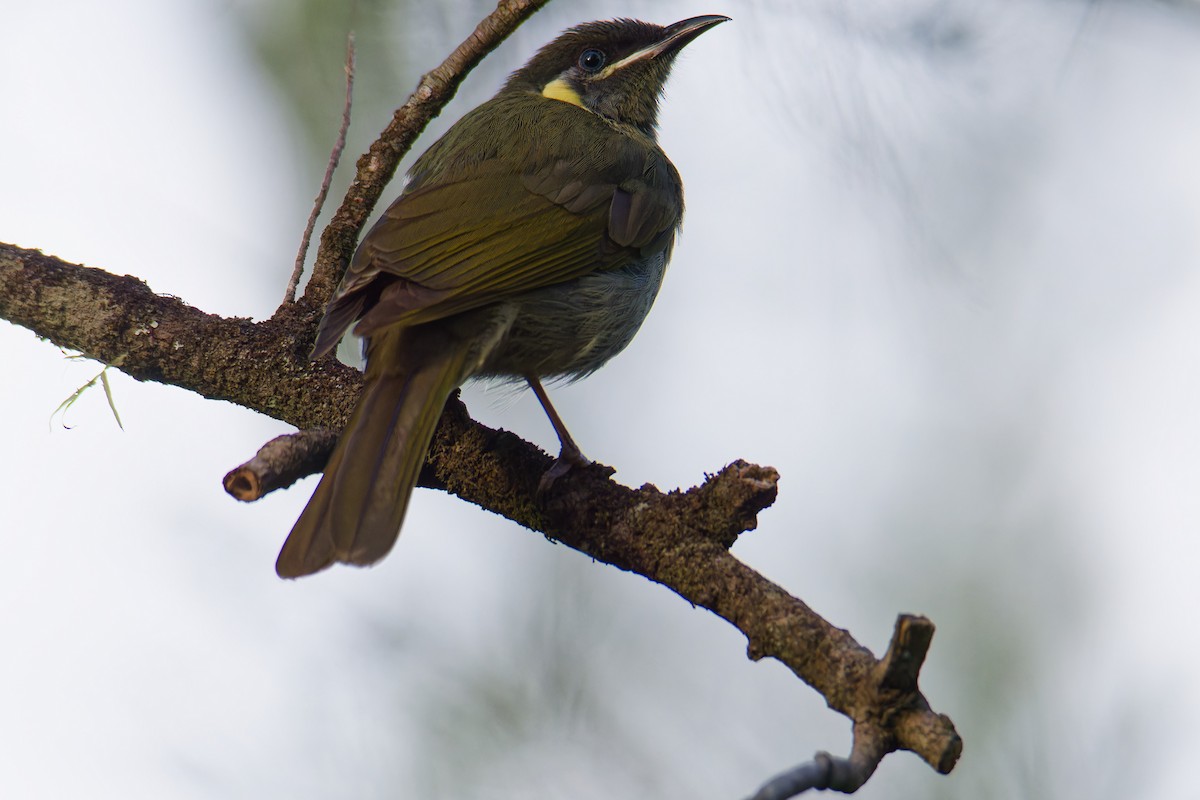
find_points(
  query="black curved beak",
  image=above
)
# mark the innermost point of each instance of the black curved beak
(684, 31)
(673, 40)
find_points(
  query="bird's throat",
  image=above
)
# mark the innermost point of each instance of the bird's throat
(559, 89)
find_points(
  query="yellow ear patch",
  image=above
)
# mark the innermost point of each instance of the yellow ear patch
(559, 89)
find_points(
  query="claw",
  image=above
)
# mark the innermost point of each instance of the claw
(567, 459)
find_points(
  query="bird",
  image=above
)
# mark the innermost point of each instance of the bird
(528, 243)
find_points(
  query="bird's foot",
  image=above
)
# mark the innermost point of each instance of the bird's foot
(568, 458)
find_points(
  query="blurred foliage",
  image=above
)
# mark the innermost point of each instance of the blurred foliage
(532, 708)
(301, 45)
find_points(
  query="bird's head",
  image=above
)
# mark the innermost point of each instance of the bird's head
(614, 68)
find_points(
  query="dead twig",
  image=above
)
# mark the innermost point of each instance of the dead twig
(279, 463)
(289, 295)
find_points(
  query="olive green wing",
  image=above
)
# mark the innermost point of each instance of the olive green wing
(459, 245)
(495, 231)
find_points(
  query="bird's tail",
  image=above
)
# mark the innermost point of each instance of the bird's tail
(355, 513)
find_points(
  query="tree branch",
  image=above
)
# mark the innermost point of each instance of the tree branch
(677, 539)
(281, 462)
(897, 706)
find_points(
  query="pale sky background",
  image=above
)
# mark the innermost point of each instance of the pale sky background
(939, 267)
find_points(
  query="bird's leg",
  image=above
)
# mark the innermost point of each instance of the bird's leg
(569, 453)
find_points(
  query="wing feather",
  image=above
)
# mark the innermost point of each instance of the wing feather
(515, 221)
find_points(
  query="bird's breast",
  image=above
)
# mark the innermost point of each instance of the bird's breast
(572, 329)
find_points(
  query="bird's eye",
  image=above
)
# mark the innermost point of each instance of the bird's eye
(591, 60)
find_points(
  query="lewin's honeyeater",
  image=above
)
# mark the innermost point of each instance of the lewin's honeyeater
(529, 243)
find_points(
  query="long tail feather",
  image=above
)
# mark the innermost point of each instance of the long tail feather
(355, 513)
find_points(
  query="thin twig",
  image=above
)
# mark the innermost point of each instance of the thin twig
(826, 772)
(815, 774)
(335, 156)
